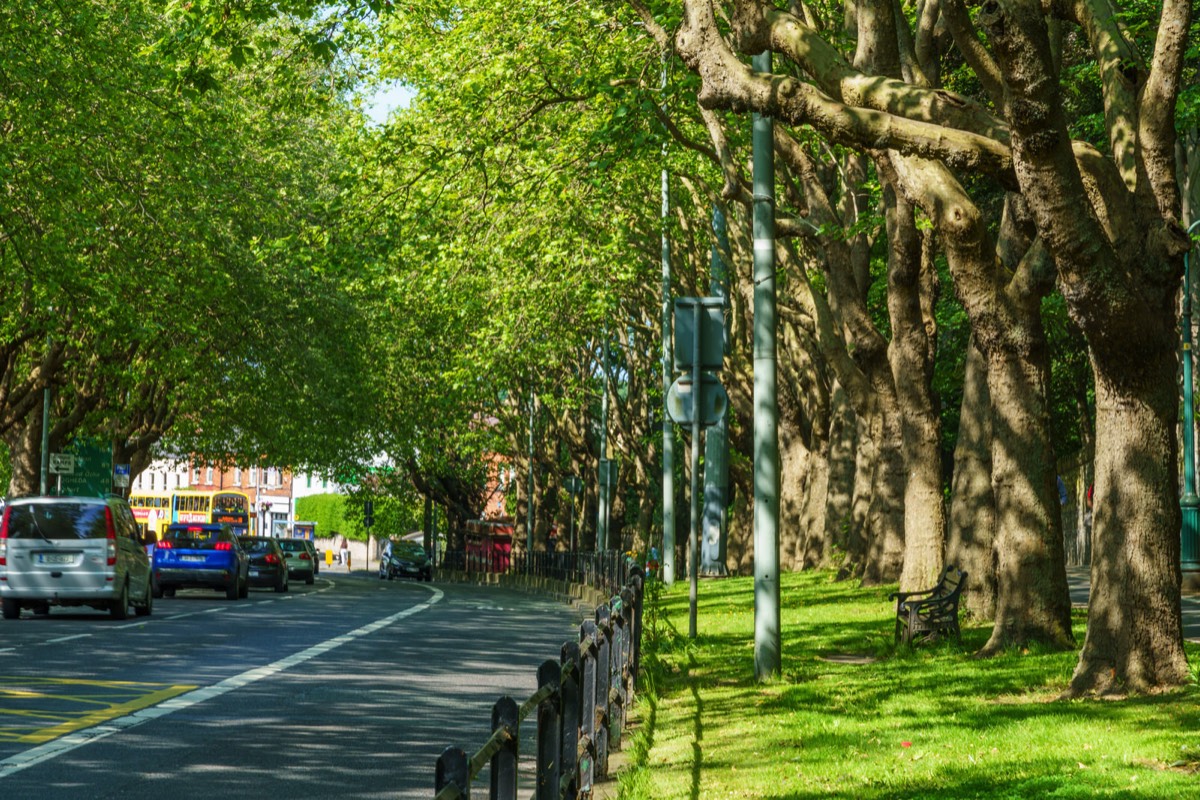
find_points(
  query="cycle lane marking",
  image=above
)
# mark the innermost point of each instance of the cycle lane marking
(103, 729)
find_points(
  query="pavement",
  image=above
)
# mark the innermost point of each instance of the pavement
(1079, 580)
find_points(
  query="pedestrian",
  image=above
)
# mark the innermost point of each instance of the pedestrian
(345, 552)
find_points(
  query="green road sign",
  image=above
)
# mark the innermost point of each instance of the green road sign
(93, 474)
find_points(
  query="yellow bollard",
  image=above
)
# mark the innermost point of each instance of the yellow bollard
(328, 557)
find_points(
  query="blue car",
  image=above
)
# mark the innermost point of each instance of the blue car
(191, 556)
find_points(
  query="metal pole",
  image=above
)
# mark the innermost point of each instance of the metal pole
(668, 430)
(1189, 504)
(44, 473)
(530, 515)
(716, 444)
(693, 534)
(602, 521)
(766, 406)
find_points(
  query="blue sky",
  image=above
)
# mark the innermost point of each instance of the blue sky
(386, 100)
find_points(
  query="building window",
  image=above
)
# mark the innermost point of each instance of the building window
(208, 476)
(237, 476)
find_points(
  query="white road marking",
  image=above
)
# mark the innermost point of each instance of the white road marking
(67, 638)
(66, 744)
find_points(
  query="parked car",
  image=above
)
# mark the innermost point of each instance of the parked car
(406, 560)
(72, 551)
(268, 565)
(192, 556)
(301, 559)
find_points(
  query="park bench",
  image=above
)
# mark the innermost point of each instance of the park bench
(931, 612)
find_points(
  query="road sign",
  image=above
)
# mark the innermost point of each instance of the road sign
(62, 464)
(574, 484)
(713, 400)
(93, 473)
(121, 476)
(712, 332)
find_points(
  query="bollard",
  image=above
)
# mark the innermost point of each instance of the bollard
(572, 671)
(603, 684)
(453, 767)
(506, 714)
(549, 733)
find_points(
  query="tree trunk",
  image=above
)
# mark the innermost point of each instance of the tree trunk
(24, 442)
(1134, 639)
(1033, 602)
(910, 353)
(839, 494)
(972, 504)
(885, 545)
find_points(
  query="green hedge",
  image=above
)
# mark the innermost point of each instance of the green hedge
(343, 514)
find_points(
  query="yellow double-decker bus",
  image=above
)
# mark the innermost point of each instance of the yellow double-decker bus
(152, 510)
(231, 508)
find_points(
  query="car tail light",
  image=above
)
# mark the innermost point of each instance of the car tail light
(166, 544)
(4, 538)
(271, 558)
(111, 535)
(304, 556)
(224, 546)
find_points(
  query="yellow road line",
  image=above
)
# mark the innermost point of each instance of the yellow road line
(145, 695)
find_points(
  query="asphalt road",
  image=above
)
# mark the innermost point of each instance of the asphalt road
(349, 688)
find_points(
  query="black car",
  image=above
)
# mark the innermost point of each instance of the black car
(268, 565)
(405, 560)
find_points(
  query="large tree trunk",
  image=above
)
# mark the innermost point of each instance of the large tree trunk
(839, 493)
(24, 449)
(972, 505)
(885, 529)
(1134, 639)
(1032, 603)
(911, 287)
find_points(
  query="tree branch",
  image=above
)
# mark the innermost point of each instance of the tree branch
(1156, 117)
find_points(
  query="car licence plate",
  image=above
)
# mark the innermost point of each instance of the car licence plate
(191, 558)
(253, 573)
(55, 558)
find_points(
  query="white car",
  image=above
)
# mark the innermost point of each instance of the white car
(72, 551)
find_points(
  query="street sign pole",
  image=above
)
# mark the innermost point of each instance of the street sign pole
(693, 534)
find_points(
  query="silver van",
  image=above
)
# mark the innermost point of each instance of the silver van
(72, 551)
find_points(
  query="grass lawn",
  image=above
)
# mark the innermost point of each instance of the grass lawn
(855, 716)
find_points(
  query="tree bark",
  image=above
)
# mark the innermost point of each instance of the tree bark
(1134, 640)
(972, 506)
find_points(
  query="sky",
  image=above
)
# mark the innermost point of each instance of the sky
(386, 100)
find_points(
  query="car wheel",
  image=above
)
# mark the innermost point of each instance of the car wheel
(120, 606)
(155, 588)
(41, 609)
(281, 584)
(234, 590)
(12, 609)
(169, 592)
(244, 587)
(310, 580)
(147, 606)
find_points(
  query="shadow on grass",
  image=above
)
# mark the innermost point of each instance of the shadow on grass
(860, 728)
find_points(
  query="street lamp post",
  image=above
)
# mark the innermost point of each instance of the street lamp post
(1189, 504)
(265, 508)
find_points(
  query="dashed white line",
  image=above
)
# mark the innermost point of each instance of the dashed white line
(67, 638)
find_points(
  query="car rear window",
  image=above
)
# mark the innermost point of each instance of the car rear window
(292, 546)
(193, 539)
(256, 545)
(57, 521)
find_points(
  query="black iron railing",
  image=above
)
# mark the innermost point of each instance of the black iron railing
(581, 706)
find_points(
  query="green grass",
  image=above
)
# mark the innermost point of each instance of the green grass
(923, 722)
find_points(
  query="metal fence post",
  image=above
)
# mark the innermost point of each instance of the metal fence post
(549, 733)
(453, 768)
(603, 684)
(587, 711)
(506, 714)
(572, 666)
